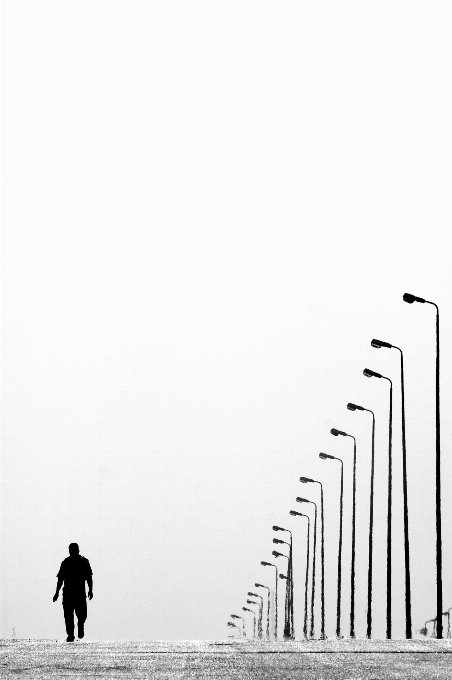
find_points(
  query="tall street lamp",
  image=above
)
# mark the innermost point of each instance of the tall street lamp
(234, 616)
(294, 513)
(326, 456)
(355, 407)
(305, 500)
(269, 564)
(259, 585)
(439, 579)
(371, 374)
(245, 609)
(306, 480)
(408, 625)
(352, 587)
(261, 612)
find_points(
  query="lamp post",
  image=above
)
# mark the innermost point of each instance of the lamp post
(234, 625)
(245, 609)
(336, 433)
(305, 500)
(269, 564)
(371, 374)
(439, 579)
(259, 585)
(288, 618)
(259, 617)
(234, 616)
(261, 612)
(326, 456)
(306, 480)
(294, 513)
(355, 407)
(408, 625)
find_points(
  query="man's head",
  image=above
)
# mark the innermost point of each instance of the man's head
(73, 549)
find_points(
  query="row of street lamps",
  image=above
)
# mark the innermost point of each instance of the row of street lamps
(288, 627)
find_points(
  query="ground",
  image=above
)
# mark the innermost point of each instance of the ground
(228, 659)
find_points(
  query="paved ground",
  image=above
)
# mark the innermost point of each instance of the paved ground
(328, 660)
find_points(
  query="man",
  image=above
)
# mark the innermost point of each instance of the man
(74, 571)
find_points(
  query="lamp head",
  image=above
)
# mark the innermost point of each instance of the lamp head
(294, 512)
(245, 609)
(337, 432)
(371, 374)
(301, 500)
(252, 595)
(278, 540)
(275, 553)
(267, 564)
(324, 456)
(230, 623)
(282, 576)
(234, 616)
(380, 343)
(306, 479)
(259, 585)
(354, 407)
(412, 298)
(275, 528)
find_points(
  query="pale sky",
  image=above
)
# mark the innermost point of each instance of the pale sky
(209, 210)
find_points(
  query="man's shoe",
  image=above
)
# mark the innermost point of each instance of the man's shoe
(81, 632)
(70, 638)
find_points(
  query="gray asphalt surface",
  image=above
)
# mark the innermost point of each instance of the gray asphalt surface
(330, 659)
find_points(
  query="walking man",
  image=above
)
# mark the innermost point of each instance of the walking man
(74, 571)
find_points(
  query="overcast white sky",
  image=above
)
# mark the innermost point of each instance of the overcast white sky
(209, 210)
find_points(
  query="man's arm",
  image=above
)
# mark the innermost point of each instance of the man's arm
(58, 588)
(89, 578)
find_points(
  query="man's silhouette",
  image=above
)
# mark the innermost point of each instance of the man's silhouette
(74, 571)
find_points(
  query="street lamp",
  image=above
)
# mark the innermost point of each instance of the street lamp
(372, 374)
(234, 616)
(355, 407)
(305, 500)
(288, 613)
(245, 609)
(259, 585)
(306, 480)
(378, 344)
(261, 611)
(269, 564)
(326, 456)
(294, 513)
(234, 625)
(439, 579)
(352, 587)
(259, 619)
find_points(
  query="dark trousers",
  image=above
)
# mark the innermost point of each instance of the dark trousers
(73, 604)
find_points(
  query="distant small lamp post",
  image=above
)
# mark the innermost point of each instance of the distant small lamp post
(294, 513)
(306, 480)
(355, 407)
(269, 564)
(234, 625)
(259, 585)
(372, 374)
(245, 609)
(234, 616)
(288, 610)
(261, 612)
(326, 456)
(336, 433)
(314, 552)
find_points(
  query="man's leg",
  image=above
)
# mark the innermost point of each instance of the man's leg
(82, 613)
(68, 609)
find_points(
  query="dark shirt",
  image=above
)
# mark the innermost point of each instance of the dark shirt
(74, 571)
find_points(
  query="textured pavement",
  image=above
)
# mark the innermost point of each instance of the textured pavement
(330, 659)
